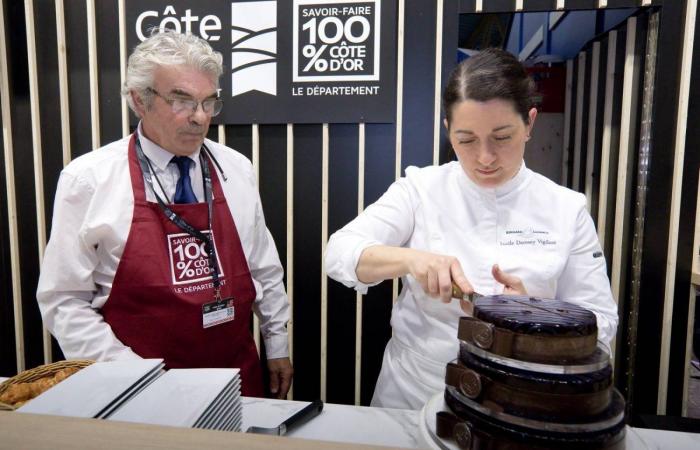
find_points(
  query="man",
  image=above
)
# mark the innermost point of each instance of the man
(159, 247)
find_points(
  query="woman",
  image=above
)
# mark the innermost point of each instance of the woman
(486, 223)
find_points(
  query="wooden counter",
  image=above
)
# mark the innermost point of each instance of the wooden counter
(31, 431)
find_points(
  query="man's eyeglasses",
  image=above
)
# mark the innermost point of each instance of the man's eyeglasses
(211, 106)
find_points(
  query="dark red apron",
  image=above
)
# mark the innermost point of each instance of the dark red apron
(155, 306)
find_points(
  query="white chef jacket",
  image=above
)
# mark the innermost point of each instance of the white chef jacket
(91, 221)
(529, 226)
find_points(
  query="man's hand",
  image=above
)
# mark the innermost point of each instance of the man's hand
(281, 373)
(512, 284)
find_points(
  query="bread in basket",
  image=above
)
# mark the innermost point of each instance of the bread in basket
(26, 385)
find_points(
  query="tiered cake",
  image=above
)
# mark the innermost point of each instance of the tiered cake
(530, 375)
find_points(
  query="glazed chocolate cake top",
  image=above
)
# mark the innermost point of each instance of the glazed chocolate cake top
(532, 315)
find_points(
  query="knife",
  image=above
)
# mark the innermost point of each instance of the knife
(302, 416)
(457, 293)
(466, 301)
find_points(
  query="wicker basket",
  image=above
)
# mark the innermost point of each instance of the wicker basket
(38, 372)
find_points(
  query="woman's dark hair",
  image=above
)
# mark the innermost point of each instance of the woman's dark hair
(490, 74)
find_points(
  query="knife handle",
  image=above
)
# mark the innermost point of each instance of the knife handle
(303, 415)
(457, 293)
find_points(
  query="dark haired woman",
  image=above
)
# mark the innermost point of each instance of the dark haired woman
(485, 223)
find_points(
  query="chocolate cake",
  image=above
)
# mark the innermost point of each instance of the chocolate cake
(529, 374)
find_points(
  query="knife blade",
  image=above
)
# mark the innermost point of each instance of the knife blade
(458, 293)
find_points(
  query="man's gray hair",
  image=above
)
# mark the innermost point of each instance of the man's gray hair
(167, 48)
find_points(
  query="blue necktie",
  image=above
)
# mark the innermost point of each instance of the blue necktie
(183, 189)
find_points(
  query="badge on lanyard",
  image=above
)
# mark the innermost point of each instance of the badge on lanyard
(218, 312)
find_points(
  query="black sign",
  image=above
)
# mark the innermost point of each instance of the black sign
(289, 61)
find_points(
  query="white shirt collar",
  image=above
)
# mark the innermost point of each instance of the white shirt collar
(509, 186)
(159, 156)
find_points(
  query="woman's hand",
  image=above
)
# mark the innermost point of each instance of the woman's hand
(512, 284)
(436, 273)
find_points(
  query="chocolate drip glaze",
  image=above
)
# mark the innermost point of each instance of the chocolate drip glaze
(535, 316)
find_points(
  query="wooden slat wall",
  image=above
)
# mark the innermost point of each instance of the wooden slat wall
(617, 162)
(306, 173)
(37, 153)
(693, 293)
(676, 193)
(608, 163)
(11, 202)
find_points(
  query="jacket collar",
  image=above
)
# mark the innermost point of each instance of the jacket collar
(524, 174)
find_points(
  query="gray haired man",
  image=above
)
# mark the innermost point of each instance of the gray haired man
(159, 247)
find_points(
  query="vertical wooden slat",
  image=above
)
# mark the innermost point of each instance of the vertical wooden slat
(676, 191)
(255, 133)
(607, 136)
(63, 81)
(255, 159)
(399, 108)
(626, 141)
(94, 74)
(324, 278)
(11, 196)
(122, 64)
(695, 277)
(290, 244)
(689, 345)
(567, 122)
(592, 124)
(358, 303)
(644, 157)
(395, 292)
(438, 82)
(578, 130)
(399, 84)
(37, 151)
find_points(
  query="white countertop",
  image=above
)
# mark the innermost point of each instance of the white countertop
(339, 423)
(402, 428)
(644, 438)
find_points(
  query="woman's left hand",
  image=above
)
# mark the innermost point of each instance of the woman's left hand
(512, 284)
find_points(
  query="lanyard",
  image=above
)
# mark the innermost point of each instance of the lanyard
(182, 223)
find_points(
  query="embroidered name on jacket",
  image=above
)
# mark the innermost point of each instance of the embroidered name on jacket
(527, 236)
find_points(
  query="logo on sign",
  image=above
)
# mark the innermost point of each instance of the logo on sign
(207, 26)
(336, 40)
(254, 47)
(189, 261)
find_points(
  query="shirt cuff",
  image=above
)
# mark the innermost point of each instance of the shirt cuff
(125, 354)
(277, 346)
(359, 285)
